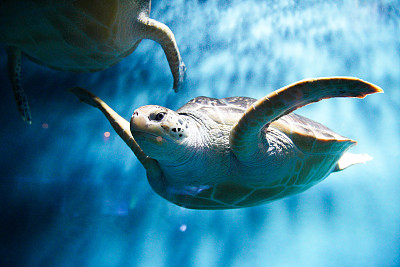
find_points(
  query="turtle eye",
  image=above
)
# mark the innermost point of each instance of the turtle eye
(157, 116)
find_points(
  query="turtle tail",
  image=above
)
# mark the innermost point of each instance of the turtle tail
(349, 159)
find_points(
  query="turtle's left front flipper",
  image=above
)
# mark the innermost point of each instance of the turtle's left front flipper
(245, 135)
(121, 127)
(14, 73)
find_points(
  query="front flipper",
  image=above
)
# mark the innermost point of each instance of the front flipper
(121, 127)
(160, 33)
(245, 135)
(14, 73)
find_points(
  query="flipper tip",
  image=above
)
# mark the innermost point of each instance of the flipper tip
(349, 159)
(84, 95)
(179, 83)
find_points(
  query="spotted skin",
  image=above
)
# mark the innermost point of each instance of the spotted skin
(14, 73)
(83, 35)
(265, 151)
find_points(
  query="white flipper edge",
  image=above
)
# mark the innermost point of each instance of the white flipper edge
(349, 159)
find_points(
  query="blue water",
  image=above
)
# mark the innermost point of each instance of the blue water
(70, 196)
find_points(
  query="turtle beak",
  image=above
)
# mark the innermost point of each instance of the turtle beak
(140, 123)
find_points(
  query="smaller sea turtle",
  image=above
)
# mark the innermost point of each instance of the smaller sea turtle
(79, 36)
(237, 152)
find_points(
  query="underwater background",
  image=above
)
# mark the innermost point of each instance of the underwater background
(70, 195)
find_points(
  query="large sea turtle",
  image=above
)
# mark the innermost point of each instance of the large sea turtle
(237, 152)
(79, 36)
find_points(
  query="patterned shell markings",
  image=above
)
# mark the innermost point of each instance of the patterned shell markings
(309, 137)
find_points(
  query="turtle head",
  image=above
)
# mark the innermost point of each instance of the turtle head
(159, 131)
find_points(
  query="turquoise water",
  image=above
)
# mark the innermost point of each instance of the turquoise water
(70, 196)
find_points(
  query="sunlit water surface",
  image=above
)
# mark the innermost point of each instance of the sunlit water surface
(73, 196)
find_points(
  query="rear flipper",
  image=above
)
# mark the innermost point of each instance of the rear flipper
(349, 159)
(14, 73)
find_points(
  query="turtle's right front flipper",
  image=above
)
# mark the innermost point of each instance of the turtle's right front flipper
(121, 127)
(14, 73)
(246, 133)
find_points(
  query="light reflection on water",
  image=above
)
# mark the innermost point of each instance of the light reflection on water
(76, 195)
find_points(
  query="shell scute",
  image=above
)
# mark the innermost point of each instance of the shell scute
(292, 180)
(305, 173)
(230, 192)
(278, 182)
(310, 136)
(292, 190)
(225, 111)
(259, 195)
(104, 11)
(194, 202)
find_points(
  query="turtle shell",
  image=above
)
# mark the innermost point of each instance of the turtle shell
(319, 149)
(309, 136)
(225, 111)
(78, 36)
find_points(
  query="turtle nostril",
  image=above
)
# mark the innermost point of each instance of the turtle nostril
(135, 113)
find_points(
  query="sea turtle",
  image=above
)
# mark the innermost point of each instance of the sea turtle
(79, 36)
(237, 152)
